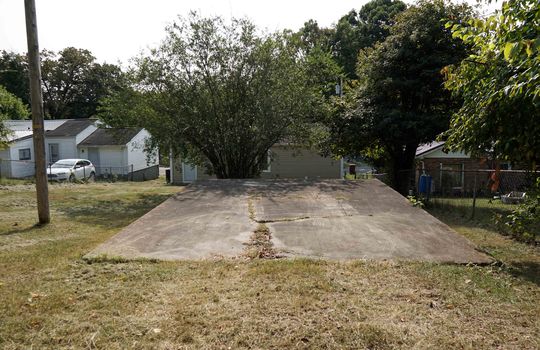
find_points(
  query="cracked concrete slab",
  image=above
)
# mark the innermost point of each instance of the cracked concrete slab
(204, 221)
(333, 219)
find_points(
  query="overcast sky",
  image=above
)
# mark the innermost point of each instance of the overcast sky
(116, 30)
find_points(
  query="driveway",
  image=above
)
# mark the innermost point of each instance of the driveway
(333, 219)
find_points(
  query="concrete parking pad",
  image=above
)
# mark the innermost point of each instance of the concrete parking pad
(204, 221)
(334, 219)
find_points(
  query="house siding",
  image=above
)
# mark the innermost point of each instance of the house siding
(5, 163)
(112, 156)
(287, 163)
(292, 162)
(67, 148)
(136, 154)
(21, 168)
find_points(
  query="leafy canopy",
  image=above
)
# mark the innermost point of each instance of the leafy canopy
(400, 100)
(499, 84)
(357, 30)
(73, 83)
(14, 75)
(221, 93)
(11, 107)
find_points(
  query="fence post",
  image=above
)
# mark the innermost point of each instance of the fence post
(474, 196)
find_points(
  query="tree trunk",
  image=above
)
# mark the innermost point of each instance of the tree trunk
(402, 168)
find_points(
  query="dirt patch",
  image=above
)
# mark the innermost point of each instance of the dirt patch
(260, 245)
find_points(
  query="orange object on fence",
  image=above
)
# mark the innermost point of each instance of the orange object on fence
(495, 178)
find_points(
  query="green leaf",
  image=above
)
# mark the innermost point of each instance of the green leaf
(509, 50)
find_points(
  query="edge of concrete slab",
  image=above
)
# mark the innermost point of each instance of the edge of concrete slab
(99, 254)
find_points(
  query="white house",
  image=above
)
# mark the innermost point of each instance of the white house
(18, 159)
(120, 151)
(61, 143)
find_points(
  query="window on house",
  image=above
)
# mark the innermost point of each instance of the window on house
(265, 165)
(451, 177)
(24, 154)
(54, 153)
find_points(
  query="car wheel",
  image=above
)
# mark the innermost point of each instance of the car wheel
(71, 178)
(92, 177)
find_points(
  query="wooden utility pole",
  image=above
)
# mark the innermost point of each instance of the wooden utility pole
(36, 98)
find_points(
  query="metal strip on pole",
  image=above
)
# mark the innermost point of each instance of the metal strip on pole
(36, 98)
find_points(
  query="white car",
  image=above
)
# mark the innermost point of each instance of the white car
(71, 169)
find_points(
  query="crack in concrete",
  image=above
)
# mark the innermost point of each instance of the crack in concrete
(301, 218)
(269, 221)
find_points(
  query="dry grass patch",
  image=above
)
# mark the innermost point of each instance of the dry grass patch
(50, 298)
(260, 245)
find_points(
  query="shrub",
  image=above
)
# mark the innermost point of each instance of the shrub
(524, 221)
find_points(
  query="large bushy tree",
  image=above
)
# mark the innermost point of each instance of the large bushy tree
(73, 83)
(400, 101)
(220, 92)
(499, 84)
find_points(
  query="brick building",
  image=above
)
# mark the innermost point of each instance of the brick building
(455, 173)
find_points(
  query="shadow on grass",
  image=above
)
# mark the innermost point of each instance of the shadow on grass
(528, 270)
(21, 229)
(113, 213)
(459, 212)
(462, 212)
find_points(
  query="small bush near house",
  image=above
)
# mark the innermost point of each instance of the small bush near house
(523, 223)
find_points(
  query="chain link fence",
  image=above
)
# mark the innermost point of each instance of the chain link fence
(481, 194)
(25, 169)
(468, 193)
(446, 182)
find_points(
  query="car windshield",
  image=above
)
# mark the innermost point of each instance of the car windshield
(65, 165)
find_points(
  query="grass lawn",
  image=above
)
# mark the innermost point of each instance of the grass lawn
(50, 298)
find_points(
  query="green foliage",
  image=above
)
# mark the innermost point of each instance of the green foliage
(14, 75)
(314, 37)
(499, 84)
(315, 44)
(524, 222)
(73, 83)
(11, 107)
(400, 101)
(221, 92)
(358, 30)
(416, 202)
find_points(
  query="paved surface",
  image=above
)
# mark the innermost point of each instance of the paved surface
(333, 219)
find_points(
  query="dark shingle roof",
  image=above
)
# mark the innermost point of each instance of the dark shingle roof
(110, 137)
(70, 128)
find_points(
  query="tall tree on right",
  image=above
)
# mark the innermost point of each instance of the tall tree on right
(499, 84)
(360, 29)
(400, 101)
